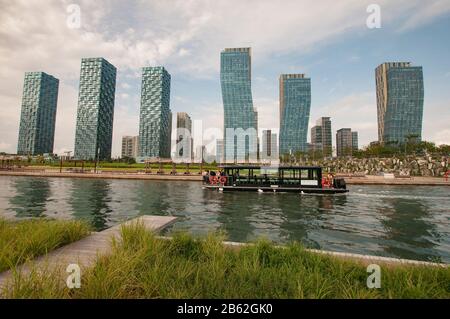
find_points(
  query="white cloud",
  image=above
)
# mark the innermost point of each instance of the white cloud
(185, 35)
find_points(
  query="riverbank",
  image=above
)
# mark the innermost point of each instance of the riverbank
(350, 179)
(143, 265)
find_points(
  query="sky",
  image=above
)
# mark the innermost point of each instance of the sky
(327, 40)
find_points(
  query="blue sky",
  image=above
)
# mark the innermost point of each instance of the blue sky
(327, 40)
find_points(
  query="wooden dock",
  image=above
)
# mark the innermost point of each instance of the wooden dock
(86, 251)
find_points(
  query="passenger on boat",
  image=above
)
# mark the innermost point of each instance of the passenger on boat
(206, 177)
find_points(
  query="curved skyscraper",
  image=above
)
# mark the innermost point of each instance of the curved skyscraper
(295, 104)
(240, 118)
(400, 95)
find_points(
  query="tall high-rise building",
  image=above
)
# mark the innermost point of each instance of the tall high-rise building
(355, 146)
(269, 147)
(316, 138)
(321, 137)
(295, 104)
(130, 146)
(240, 118)
(95, 114)
(155, 122)
(219, 151)
(400, 94)
(200, 153)
(38, 115)
(184, 137)
(344, 142)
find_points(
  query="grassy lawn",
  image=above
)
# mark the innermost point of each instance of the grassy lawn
(23, 240)
(144, 266)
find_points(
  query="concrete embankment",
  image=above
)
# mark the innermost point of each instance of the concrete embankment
(380, 180)
(351, 180)
(104, 175)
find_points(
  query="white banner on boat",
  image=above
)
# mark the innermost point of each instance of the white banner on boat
(309, 182)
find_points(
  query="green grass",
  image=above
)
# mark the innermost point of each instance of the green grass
(23, 240)
(144, 266)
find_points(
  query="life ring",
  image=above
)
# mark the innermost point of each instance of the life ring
(213, 180)
(326, 182)
(223, 180)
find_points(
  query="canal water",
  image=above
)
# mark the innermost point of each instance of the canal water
(395, 221)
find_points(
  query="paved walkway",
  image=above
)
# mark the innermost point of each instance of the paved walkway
(85, 251)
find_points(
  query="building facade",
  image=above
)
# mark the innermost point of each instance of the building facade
(316, 139)
(295, 105)
(269, 147)
(400, 96)
(321, 138)
(184, 149)
(219, 151)
(155, 121)
(38, 114)
(355, 145)
(95, 114)
(240, 118)
(130, 146)
(344, 142)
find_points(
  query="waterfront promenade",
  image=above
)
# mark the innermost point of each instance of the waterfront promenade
(352, 180)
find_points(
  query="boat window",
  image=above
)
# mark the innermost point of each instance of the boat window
(304, 173)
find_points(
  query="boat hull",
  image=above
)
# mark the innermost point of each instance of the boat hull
(266, 189)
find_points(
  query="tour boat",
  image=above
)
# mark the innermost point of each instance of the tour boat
(299, 179)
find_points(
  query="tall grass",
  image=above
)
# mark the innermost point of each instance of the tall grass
(144, 266)
(23, 240)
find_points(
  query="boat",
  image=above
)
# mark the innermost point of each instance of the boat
(261, 179)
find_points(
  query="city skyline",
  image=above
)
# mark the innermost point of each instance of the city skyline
(341, 70)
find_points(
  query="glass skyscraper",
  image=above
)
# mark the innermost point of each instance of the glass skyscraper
(38, 115)
(321, 138)
(269, 147)
(400, 95)
(155, 122)
(93, 136)
(184, 137)
(240, 118)
(295, 104)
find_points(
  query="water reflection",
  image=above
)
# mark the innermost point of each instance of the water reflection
(234, 215)
(149, 199)
(407, 230)
(31, 197)
(90, 201)
(405, 222)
